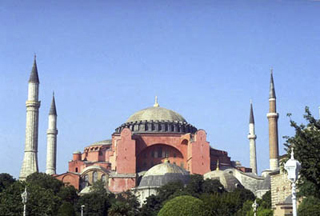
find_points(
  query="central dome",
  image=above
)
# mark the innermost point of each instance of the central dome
(156, 114)
(157, 120)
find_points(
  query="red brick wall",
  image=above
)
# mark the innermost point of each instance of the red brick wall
(121, 184)
(200, 161)
(70, 178)
(126, 153)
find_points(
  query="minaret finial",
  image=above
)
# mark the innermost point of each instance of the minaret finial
(34, 78)
(292, 154)
(156, 104)
(272, 93)
(251, 119)
(53, 110)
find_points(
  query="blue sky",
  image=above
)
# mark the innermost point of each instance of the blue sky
(106, 60)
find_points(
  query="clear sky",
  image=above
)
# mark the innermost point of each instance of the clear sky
(204, 59)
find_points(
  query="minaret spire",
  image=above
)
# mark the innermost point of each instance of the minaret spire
(53, 110)
(30, 159)
(273, 126)
(34, 77)
(272, 93)
(52, 133)
(252, 141)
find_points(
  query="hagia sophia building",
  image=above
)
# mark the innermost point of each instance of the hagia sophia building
(154, 146)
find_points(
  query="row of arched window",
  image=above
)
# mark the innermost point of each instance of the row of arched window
(95, 177)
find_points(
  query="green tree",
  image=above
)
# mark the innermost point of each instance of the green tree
(10, 199)
(212, 186)
(126, 204)
(310, 206)
(5, 181)
(266, 200)
(306, 143)
(45, 196)
(154, 203)
(66, 209)
(97, 202)
(194, 186)
(183, 206)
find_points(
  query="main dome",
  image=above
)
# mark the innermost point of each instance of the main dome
(156, 114)
(157, 119)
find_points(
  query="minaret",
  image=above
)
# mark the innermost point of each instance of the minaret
(252, 140)
(273, 127)
(30, 160)
(52, 139)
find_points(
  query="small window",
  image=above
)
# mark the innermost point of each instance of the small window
(76, 169)
(103, 178)
(167, 154)
(160, 152)
(94, 176)
(86, 180)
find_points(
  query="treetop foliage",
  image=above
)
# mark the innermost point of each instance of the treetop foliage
(306, 144)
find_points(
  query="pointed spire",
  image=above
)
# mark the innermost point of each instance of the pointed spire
(34, 78)
(272, 93)
(218, 165)
(53, 110)
(251, 120)
(156, 102)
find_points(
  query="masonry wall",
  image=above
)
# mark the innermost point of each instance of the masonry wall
(280, 188)
(200, 157)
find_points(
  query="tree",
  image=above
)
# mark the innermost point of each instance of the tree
(310, 206)
(194, 186)
(266, 200)
(45, 196)
(306, 143)
(212, 186)
(5, 181)
(66, 209)
(154, 203)
(183, 206)
(126, 204)
(10, 199)
(97, 202)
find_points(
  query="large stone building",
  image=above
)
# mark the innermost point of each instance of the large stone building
(134, 155)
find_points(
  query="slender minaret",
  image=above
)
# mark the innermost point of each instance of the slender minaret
(252, 140)
(30, 160)
(52, 139)
(273, 127)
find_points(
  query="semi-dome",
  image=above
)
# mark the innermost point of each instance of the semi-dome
(225, 177)
(162, 174)
(157, 119)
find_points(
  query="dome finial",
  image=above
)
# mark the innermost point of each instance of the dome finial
(218, 165)
(156, 102)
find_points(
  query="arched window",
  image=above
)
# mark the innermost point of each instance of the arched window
(103, 178)
(86, 180)
(76, 169)
(94, 176)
